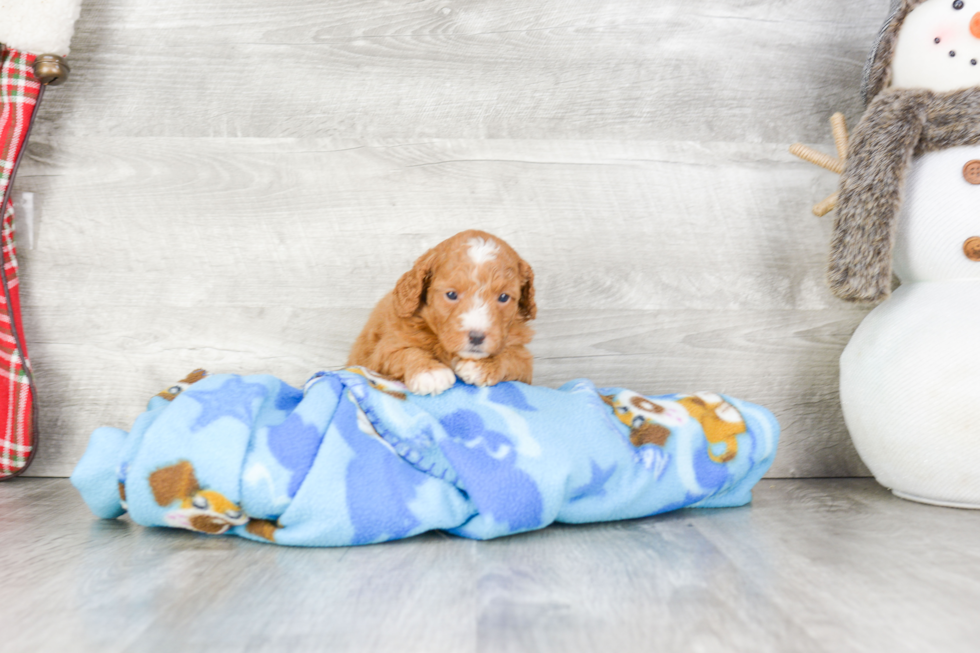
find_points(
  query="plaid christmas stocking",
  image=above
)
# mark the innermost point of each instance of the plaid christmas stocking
(18, 97)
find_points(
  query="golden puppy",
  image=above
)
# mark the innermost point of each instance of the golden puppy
(462, 310)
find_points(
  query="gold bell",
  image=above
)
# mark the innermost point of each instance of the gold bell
(50, 69)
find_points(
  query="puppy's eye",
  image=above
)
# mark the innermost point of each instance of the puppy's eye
(200, 503)
(452, 296)
(233, 514)
(504, 298)
(958, 4)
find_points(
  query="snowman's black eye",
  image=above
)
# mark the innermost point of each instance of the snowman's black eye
(958, 4)
(936, 39)
(973, 62)
(952, 53)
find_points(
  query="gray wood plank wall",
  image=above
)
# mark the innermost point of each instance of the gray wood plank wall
(234, 185)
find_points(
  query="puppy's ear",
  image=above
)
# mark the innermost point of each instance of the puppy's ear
(174, 482)
(410, 291)
(527, 306)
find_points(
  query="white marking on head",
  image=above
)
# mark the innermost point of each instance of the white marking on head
(482, 251)
(476, 319)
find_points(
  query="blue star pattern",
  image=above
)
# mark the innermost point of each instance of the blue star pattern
(234, 398)
(288, 398)
(505, 394)
(347, 464)
(379, 485)
(509, 394)
(294, 443)
(596, 487)
(488, 460)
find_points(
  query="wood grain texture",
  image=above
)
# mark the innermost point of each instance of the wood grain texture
(641, 225)
(599, 69)
(809, 566)
(236, 189)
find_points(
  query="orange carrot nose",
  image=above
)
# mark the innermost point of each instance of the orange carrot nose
(975, 25)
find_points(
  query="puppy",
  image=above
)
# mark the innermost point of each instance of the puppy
(461, 311)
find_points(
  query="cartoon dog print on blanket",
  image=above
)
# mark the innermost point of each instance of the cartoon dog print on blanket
(649, 421)
(721, 423)
(171, 393)
(264, 528)
(226, 457)
(205, 511)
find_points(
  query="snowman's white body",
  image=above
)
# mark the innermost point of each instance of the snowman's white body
(910, 376)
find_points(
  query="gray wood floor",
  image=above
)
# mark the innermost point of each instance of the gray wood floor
(234, 188)
(811, 565)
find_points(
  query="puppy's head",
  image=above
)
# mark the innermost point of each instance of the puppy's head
(471, 290)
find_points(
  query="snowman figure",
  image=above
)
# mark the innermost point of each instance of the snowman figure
(909, 204)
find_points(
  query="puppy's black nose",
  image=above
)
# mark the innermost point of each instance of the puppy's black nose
(477, 338)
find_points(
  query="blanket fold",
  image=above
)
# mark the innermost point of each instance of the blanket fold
(354, 458)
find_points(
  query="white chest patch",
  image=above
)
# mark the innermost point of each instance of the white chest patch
(481, 251)
(936, 48)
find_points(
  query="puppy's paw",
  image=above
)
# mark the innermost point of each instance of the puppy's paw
(476, 372)
(431, 382)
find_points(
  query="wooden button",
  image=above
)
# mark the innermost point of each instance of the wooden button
(972, 248)
(971, 171)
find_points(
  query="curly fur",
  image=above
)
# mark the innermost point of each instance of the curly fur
(418, 335)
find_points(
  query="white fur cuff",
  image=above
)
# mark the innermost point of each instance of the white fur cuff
(38, 26)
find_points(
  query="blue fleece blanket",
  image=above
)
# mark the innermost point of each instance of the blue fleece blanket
(354, 458)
